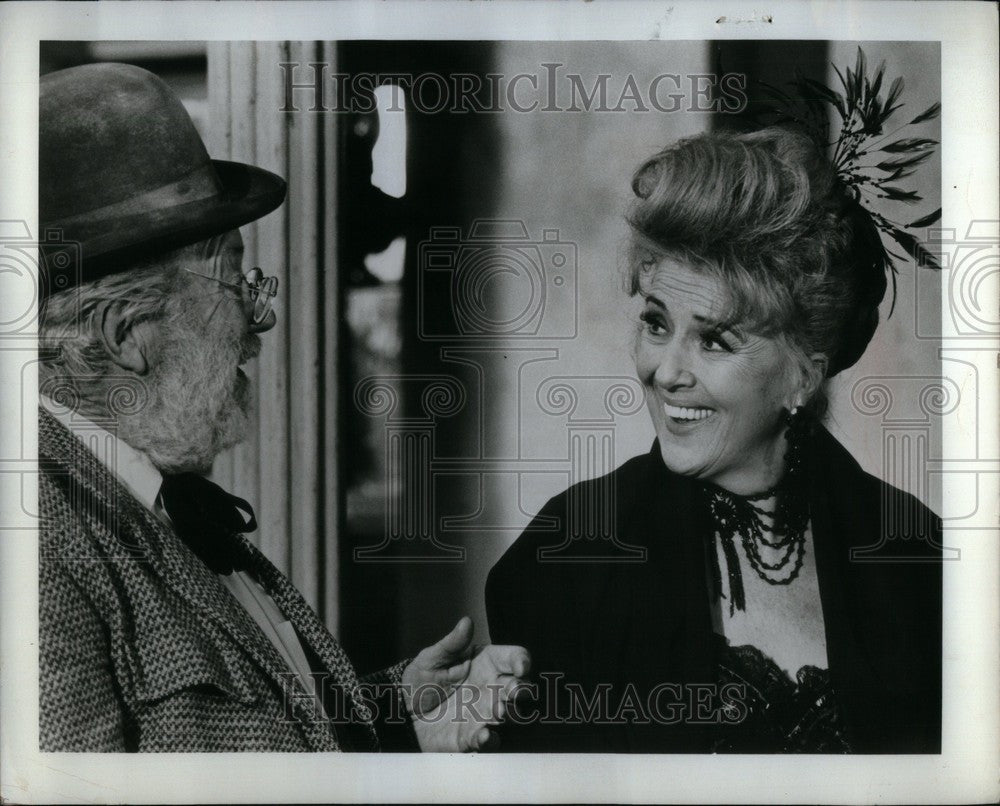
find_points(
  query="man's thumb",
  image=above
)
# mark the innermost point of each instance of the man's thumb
(457, 642)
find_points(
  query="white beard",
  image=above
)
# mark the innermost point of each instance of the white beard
(199, 402)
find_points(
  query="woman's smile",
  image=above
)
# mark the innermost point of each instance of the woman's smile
(687, 414)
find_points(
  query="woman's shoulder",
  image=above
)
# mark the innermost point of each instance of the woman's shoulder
(626, 479)
(836, 467)
(613, 496)
(869, 508)
(580, 543)
(623, 485)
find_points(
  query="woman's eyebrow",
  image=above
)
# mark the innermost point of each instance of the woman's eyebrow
(710, 323)
(714, 324)
(720, 326)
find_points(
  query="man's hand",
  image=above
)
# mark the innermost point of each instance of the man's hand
(456, 691)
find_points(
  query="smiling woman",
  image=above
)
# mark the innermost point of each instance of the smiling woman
(747, 627)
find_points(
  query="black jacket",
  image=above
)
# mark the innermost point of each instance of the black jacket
(623, 650)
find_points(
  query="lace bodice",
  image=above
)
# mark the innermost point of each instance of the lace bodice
(782, 716)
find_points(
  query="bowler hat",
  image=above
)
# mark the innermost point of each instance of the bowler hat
(123, 174)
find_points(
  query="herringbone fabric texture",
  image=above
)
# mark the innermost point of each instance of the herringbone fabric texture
(141, 646)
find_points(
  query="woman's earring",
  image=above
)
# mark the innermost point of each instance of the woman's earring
(792, 513)
(797, 434)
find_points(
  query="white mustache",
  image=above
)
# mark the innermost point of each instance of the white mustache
(250, 348)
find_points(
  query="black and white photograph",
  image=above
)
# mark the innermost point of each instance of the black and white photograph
(500, 402)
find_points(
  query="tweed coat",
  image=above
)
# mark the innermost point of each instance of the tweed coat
(615, 627)
(143, 649)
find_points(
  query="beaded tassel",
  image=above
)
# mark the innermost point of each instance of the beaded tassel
(739, 516)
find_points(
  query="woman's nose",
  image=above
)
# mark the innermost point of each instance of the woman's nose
(672, 371)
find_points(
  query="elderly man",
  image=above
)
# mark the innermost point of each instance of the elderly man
(162, 628)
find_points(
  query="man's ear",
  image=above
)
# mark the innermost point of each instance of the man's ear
(128, 344)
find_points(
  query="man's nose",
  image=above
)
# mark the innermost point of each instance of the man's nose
(266, 324)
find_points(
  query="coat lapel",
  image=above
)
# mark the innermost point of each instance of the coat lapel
(311, 629)
(192, 579)
(835, 530)
(658, 609)
(677, 562)
(148, 539)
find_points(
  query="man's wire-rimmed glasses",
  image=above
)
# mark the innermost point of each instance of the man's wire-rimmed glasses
(261, 290)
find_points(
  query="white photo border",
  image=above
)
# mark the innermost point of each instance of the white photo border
(966, 770)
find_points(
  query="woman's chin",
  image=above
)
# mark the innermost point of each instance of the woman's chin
(677, 461)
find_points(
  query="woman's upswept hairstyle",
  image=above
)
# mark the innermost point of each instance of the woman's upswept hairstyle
(764, 213)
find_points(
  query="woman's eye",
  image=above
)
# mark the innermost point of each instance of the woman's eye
(653, 324)
(714, 342)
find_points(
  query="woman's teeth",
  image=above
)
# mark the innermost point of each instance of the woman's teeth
(684, 413)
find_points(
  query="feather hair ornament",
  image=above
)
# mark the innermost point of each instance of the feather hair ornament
(869, 160)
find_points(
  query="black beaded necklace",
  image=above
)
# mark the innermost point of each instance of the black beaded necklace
(734, 516)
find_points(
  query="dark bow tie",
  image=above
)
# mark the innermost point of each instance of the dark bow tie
(207, 519)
